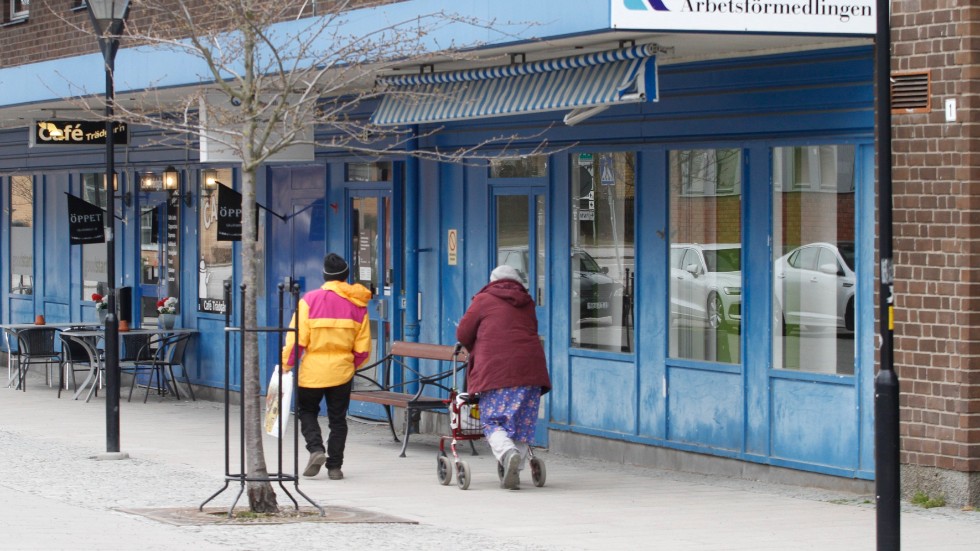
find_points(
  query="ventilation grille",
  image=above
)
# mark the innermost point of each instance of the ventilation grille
(910, 92)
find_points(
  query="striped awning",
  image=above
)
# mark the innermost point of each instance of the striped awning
(585, 84)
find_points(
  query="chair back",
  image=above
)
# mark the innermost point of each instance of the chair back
(37, 341)
(175, 347)
(73, 351)
(136, 347)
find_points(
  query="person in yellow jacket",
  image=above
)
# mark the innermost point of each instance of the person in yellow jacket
(334, 339)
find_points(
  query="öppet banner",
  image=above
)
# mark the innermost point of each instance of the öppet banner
(86, 223)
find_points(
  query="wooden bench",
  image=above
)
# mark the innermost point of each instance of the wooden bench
(381, 388)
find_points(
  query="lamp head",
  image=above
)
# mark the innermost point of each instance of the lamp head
(106, 12)
(171, 179)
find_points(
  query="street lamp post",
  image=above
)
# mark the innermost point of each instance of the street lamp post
(888, 489)
(108, 17)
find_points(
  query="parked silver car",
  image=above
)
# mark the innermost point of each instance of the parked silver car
(815, 286)
(706, 283)
(594, 292)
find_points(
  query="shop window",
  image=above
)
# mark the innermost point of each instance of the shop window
(94, 274)
(378, 171)
(21, 235)
(706, 255)
(215, 265)
(535, 166)
(602, 250)
(814, 281)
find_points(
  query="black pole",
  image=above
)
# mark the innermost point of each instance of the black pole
(887, 479)
(109, 46)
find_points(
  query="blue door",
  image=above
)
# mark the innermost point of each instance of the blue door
(298, 245)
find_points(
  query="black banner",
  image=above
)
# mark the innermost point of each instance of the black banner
(85, 222)
(229, 214)
(76, 133)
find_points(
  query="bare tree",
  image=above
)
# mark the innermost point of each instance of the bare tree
(276, 75)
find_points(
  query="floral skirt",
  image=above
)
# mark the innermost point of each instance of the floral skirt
(513, 410)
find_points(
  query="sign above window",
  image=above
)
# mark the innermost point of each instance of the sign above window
(853, 17)
(61, 132)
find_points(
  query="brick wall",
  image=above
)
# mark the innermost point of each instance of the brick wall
(55, 30)
(936, 202)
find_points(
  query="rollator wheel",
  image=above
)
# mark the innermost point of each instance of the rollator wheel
(538, 472)
(444, 470)
(463, 475)
(500, 471)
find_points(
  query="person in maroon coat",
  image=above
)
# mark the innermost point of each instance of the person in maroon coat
(507, 367)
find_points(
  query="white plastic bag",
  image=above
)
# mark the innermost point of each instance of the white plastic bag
(273, 420)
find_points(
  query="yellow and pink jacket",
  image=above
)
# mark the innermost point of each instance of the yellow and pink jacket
(334, 335)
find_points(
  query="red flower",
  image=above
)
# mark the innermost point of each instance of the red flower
(161, 302)
(96, 297)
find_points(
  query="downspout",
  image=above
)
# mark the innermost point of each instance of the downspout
(412, 241)
(412, 262)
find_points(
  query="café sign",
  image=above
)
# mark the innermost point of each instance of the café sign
(62, 132)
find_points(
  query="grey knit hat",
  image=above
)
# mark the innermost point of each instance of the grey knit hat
(506, 272)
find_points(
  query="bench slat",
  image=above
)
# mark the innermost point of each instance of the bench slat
(425, 351)
(397, 399)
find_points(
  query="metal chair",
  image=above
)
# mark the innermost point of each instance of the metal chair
(73, 353)
(36, 346)
(168, 354)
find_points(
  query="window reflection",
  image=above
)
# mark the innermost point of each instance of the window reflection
(21, 235)
(214, 265)
(706, 254)
(535, 166)
(814, 278)
(377, 171)
(94, 274)
(602, 254)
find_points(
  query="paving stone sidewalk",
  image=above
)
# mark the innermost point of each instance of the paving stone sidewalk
(54, 496)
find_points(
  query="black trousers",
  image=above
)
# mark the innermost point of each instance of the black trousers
(308, 408)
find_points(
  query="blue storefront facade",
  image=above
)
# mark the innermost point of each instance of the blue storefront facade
(702, 263)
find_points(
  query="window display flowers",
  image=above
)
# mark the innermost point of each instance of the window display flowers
(101, 302)
(167, 305)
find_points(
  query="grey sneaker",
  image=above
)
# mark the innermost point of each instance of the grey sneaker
(512, 468)
(335, 473)
(317, 459)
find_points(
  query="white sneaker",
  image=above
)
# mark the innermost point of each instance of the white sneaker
(512, 470)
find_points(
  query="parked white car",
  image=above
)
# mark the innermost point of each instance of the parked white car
(815, 286)
(706, 283)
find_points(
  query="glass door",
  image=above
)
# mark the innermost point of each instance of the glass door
(159, 254)
(371, 260)
(519, 241)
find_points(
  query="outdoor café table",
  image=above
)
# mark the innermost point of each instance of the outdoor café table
(13, 329)
(89, 338)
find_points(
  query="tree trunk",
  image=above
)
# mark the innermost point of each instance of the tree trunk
(261, 497)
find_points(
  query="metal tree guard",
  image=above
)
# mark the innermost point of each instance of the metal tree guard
(242, 477)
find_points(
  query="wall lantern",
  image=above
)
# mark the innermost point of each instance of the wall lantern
(171, 179)
(171, 183)
(150, 181)
(210, 182)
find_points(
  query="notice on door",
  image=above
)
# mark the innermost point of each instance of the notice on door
(452, 246)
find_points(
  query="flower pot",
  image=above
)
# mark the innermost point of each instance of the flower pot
(166, 321)
(103, 312)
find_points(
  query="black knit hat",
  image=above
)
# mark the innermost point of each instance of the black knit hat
(335, 268)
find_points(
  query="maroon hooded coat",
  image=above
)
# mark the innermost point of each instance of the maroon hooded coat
(500, 331)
